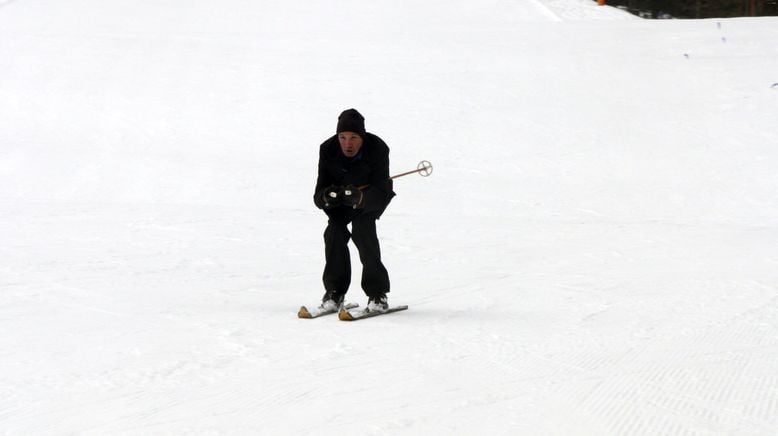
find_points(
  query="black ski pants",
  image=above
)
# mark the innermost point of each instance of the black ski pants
(337, 270)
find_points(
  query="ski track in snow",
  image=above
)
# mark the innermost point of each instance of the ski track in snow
(6, 3)
(545, 10)
(569, 346)
(594, 254)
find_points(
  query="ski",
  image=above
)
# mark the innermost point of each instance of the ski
(347, 315)
(317, 312)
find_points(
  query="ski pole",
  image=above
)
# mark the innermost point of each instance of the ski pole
(424, 168)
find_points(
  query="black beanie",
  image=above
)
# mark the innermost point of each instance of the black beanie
(351, 121)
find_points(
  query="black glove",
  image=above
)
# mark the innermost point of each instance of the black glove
(331, 197)
(352, 196)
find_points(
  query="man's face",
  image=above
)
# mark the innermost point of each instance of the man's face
(350, 143)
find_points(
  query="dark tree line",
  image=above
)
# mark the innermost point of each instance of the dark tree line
(701, 8)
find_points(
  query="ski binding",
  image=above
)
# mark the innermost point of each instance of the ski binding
(317, 312)
(346, 315)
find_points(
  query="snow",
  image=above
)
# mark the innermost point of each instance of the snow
(594, 254)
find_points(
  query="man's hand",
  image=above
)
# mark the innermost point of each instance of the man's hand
(352, 196)
(332, 197)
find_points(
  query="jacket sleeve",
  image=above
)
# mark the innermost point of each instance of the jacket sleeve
(380, 192)
(322, 181)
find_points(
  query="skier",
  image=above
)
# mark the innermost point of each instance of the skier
(353, 187)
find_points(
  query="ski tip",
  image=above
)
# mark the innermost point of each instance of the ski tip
(345, 315)
(303, 313)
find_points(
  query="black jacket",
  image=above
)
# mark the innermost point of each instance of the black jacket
(369, 167)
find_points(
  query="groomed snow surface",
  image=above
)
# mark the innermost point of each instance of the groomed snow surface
(596, 252)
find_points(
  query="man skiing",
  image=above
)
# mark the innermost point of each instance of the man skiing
(353, 187)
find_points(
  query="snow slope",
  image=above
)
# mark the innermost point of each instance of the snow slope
(594, 254)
